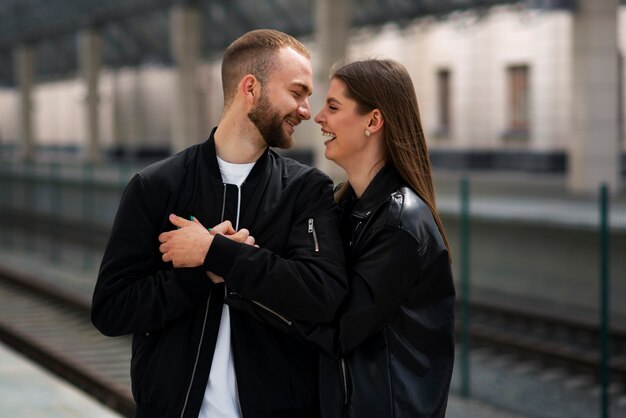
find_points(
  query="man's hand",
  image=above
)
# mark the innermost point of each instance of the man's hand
(186, 246)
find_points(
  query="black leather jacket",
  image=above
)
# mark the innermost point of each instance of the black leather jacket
(390, 351)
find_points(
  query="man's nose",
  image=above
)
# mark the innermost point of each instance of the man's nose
(304, 110)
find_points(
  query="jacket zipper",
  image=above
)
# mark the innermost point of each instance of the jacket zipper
(273, 312)
(355, 230)
(223, 202)
(344, 380)
(312, 231)
(206, 312)
(193, 374)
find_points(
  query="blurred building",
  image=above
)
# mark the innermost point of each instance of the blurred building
(494, 82)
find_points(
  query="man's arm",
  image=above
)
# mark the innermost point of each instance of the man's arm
(135, 290)
(307, 284)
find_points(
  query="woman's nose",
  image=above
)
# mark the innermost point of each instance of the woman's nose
(318, 117)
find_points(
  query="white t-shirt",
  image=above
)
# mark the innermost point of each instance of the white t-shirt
(221, 399)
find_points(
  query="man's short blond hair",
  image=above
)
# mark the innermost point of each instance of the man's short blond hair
(254, 53)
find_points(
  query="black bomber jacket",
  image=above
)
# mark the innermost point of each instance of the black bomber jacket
(174, 314)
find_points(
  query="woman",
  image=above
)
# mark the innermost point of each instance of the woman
(390, 352)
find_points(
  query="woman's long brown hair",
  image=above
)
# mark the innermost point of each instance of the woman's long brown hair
(386, 85)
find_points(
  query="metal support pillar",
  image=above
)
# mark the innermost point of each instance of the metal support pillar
(332, 26)
(594, 152)
(90, 61)
(185, 47)
(25, 74)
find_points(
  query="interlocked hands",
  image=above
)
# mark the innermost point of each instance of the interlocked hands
(188, 245)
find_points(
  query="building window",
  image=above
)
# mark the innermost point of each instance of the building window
(444, 108)
(518, 102)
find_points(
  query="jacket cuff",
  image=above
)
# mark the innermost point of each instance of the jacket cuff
(221, 256)
(193, 281)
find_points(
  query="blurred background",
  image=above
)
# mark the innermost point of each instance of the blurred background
(522, 103)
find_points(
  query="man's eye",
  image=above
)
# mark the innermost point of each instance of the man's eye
(297, 94)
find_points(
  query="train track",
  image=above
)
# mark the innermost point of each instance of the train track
(554, 340)
(53, 328)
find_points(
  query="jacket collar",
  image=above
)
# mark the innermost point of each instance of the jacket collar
(380, 188)
(261, 167)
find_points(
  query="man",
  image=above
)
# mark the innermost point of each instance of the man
(192, 356)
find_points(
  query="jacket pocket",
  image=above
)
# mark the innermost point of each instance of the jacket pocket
(313, 233)
(143, 347)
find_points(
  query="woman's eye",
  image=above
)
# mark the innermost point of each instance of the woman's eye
(331, 107)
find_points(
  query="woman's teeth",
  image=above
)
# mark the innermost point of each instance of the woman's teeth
(329, 135)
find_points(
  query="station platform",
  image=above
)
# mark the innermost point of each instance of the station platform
(29, 391)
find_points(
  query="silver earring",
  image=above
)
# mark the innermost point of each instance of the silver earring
(367, 133)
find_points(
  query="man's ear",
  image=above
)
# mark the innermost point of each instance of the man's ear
(376, 121)
(250, 88)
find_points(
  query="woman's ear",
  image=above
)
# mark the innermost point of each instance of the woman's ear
(250, 88)
(376, 121)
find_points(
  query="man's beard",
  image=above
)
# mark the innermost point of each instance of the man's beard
(269, 123)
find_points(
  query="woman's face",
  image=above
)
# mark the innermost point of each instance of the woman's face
(342, 127)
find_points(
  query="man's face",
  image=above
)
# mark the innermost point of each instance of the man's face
(283, 102)
(269, 122)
